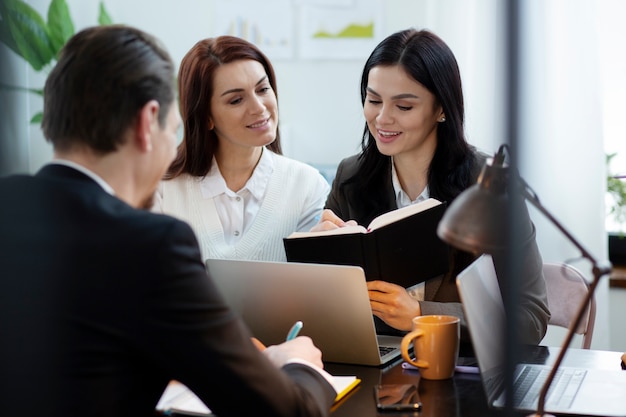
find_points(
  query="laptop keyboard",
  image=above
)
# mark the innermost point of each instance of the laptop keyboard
(562, 391)
(383, 350)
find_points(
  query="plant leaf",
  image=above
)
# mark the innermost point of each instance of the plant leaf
(60, 25)
(6, 37)
(37, 118)
(104, 18)
(30, 33)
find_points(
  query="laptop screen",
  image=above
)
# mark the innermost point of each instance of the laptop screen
(331, 300)
(485, 315)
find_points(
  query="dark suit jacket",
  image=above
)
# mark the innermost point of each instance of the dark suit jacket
(440, 294)
(102, 305)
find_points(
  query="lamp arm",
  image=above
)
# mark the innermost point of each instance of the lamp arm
(598, 272)
(568, 340)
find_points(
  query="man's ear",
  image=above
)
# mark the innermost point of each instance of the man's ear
(147, 124)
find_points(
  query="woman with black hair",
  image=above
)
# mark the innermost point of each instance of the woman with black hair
(413, 148)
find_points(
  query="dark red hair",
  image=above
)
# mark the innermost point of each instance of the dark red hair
(195, 89)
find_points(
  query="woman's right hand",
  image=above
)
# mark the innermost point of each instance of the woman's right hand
(329, 221)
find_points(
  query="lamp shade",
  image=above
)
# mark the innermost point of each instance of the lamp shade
(477, 221)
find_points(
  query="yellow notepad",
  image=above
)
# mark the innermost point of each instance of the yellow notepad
(344, 385)
(179, 399)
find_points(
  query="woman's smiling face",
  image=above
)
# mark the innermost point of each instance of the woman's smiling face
(244, 109)
(401, 114)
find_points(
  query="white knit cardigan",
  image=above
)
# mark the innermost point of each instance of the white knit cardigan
(278, 216)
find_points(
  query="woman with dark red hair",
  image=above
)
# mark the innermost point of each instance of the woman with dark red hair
(229, 179)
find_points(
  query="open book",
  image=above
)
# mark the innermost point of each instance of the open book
(400, 246)
(179, 399)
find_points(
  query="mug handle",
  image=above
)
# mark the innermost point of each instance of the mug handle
(404, 348)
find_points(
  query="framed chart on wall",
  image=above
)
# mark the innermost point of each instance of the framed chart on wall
(304, 29)
(268, 24)
(341, 30)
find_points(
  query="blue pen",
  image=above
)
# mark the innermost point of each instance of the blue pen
(295, 329)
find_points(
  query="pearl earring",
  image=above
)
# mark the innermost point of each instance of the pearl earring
(443, 119)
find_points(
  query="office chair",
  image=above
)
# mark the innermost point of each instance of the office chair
(566, 287)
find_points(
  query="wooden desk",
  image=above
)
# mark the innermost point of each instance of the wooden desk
(461, 396)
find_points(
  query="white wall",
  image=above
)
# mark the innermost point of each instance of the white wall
(612, 32)
(320, 110)
(561, 149)
(561, 133)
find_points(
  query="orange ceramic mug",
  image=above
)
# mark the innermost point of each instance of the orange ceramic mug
(435, 340)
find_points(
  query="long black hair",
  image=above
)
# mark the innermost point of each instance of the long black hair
(429, 61)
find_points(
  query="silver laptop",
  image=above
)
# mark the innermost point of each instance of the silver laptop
(331, 301)
(575, 391)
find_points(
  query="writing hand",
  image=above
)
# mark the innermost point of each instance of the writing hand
(301, 347)
(393, 304)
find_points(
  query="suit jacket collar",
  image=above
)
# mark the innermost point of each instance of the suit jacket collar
(66, 172)
(61, 171)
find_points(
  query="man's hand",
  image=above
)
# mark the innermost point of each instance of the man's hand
(301, 347)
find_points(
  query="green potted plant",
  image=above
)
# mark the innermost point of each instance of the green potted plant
(37, 41)
(616, 189)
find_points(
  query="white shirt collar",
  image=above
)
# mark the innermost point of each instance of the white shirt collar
(402, 198)
(213, 183)
(261, 175)
(98, 179)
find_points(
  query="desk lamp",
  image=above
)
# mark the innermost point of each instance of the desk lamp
(476, 222)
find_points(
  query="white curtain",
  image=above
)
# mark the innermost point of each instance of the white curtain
(561, 134)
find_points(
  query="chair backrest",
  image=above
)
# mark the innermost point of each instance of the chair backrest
(566, 288)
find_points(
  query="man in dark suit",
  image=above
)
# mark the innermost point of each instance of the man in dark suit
(103, 303)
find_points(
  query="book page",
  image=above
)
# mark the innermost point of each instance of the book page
(378, 222)
(180, 399)
(344, 384)
(339, 231)
(401, 213)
